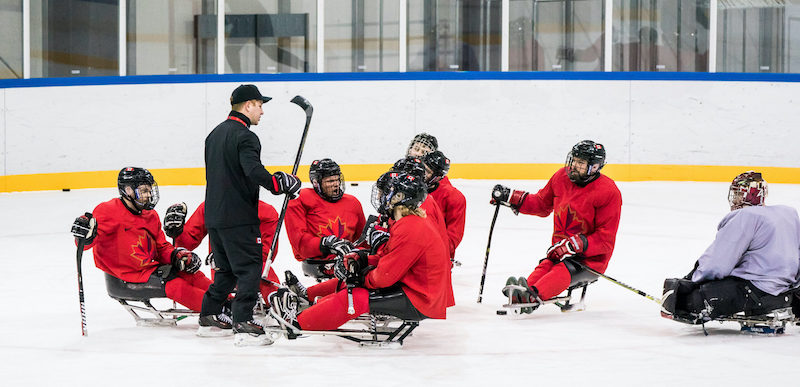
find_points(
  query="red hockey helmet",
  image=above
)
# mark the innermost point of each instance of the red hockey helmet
(747, 189)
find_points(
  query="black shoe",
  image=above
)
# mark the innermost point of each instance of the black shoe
(295, 286)
(214, 325)
(247, 333)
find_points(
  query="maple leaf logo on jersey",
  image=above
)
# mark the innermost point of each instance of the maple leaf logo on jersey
(568, 223)
(141, 250)
(334, 227)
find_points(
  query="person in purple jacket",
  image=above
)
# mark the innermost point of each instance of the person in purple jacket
(752, 265)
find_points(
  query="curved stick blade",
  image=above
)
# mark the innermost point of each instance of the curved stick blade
(303, 103)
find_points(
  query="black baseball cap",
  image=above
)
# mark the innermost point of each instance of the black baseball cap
(245, 93)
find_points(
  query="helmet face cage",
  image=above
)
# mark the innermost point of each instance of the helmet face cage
(595, 156)
(321, 169)
(144, 189)
(421, 145)
(412, 188)
(379, 190)
(438, 164)
(747, 189)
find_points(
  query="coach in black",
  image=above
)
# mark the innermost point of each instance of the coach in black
(233, 174)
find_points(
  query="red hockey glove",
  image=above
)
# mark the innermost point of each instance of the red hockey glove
(568, 247)
(503, 195)
(353, 267)
(185, 260)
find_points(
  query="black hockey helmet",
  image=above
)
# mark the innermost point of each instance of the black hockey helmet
(402, 190)
(439, 166)
(747, 189)
(321, 169)
(381, 186)
(422, 144)
(595, 156)
(143, 188)
(410, 165)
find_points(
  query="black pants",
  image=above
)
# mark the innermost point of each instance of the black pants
(725, 297)
(237, 254)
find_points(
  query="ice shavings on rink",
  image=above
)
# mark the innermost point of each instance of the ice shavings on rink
(620, 339)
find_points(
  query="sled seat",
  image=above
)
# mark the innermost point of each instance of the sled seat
(135, 297)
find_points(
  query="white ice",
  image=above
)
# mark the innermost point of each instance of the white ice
(620, 339)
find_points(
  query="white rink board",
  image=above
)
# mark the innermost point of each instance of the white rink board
(90, 128)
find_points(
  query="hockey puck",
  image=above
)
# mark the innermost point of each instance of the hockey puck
(65, 189)
(354, 184)
(502, 312)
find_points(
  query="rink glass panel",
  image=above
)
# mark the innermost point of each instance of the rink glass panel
(73, 38)
(11, 44)
(161, 37)
(251, 45)
(362, 35)
(454, 35)
(660, 35)
(758, 36)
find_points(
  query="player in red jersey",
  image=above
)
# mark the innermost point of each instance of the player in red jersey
(412, 262)
(127, 241)
(586, 207)
(451, 201)
(189, 234)
(323, 220)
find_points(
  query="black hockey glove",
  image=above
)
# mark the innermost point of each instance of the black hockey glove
(185, 260)
(331, 244)
(175, 219)
(284, 183)
(691, 273)
(85, 228)
(376, 239)
(353, 267)
(504, 196)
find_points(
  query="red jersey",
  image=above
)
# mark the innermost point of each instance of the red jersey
(454, 208)
(593, 211)
(195, 230)
(128, 246)
(435, 217)
(310, 217)
(414, 258)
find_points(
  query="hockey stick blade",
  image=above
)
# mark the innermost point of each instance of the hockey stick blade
(304, 104)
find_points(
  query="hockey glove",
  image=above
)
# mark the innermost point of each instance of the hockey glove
(568, 247)
(376, 239)
(185, 260)
(331, 244)
(503, 195)
(85, 228)
(210, 261)
(175, 219)
(284, 183)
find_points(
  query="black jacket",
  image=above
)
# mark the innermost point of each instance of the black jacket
(233, 174)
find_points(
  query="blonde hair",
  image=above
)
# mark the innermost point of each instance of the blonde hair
(403, 210)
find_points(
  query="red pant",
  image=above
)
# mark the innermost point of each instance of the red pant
(266, 287)
(188, 289)
(331, 312)
(550, 279)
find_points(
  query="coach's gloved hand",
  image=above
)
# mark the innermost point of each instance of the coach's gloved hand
(284, 183)
(567, 247)
(332, 244)
(84, 228)
(503, 195)
(185, 260)
(175, 219)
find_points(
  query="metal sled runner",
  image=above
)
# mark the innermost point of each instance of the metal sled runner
(563, 302)
(140, 294)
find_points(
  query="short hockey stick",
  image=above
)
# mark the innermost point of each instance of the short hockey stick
(626, 286)
(309, 110)
(79, 256)
(488, 245)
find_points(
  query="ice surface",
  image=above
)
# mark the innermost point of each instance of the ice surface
(620, 339)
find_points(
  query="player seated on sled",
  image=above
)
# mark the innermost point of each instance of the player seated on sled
(586, 208)
(323, 221)
(407, 277)
(751, 267)
(129, 246)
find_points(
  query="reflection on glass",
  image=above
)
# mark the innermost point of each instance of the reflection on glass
(269, 36)
(11, 43)
(452, 35)
(74, 38)
(362, 35)
(564, 35)
(660, 35)
(751, 36)
(161, 37)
